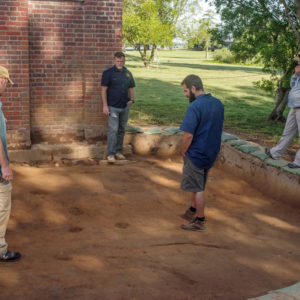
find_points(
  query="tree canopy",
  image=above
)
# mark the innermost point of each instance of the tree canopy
(199, 31)
(267, 30)
(150, 23)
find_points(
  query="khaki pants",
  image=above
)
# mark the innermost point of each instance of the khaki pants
(292, 125)
(5, 206)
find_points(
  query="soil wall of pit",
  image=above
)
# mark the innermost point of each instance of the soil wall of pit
(270, 180)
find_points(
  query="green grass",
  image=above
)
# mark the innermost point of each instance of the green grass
(160, 99)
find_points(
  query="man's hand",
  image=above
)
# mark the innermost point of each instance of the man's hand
(130, 102)
(7, 173)
(3, 83)
(297, 70)
(106, 110)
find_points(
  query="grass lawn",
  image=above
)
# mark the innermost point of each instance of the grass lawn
(160, 99)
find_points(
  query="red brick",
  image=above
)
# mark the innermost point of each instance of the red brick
(70, 45)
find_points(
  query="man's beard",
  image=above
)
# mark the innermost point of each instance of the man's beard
(192, 96)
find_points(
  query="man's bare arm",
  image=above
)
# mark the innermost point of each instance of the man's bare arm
(131, 93)
(7, 173)
(186, 142)
(104, 100)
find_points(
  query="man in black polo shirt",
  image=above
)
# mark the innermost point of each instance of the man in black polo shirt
(117, 91)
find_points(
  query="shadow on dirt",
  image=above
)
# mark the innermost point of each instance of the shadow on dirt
(113, 231)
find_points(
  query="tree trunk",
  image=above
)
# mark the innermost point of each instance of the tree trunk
(287, 10)
(297, 5)
(147, 61)
(206, 54)
(143, 55)
(282, 97)
(152, 54)
(281, 102)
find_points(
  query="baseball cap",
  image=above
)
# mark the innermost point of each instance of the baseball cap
(4, 74)
(297, 57)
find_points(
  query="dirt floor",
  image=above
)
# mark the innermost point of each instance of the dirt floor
(113, 232)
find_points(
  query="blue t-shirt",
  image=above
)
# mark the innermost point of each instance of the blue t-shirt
(3, 133)
(204, 120)
(118, 83)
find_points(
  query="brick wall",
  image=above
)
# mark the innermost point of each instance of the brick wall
(14, 56)
(62, 52)
(103, 25)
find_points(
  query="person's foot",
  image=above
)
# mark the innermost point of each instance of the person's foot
(111, 158)
(188, 215)
(120, 156)
(10, 256)
(293, 166)
(268, 152)
(194, 225)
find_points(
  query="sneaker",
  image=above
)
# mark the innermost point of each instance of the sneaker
(10, 256)
(293, 166)
(268, 152)
(188, 215)
(120, 156)
(111, 158)
(194, 225)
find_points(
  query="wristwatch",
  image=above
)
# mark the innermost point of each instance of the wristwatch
(132, 100)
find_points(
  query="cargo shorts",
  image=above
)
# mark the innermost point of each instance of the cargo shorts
(193, 178)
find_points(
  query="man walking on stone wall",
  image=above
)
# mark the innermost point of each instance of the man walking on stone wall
(201, 142)
(292, 124)
(6, 176)
(117, 91)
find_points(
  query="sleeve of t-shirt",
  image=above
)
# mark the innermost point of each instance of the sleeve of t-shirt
(190, 121)
(105, 78)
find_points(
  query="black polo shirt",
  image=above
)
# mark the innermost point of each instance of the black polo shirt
(118, 83)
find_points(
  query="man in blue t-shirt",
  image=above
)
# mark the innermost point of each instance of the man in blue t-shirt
(6, 176)
(202, 126)
(117, 91)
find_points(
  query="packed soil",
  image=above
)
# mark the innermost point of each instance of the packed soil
(113, 232)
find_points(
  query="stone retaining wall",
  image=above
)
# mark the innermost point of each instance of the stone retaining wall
(277, 182)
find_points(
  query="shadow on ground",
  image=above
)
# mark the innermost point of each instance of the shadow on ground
(112, 232)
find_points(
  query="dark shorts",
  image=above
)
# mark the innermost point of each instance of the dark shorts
(193, 179)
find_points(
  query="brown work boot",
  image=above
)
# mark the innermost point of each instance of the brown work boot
(194, 225)
(188, 215)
